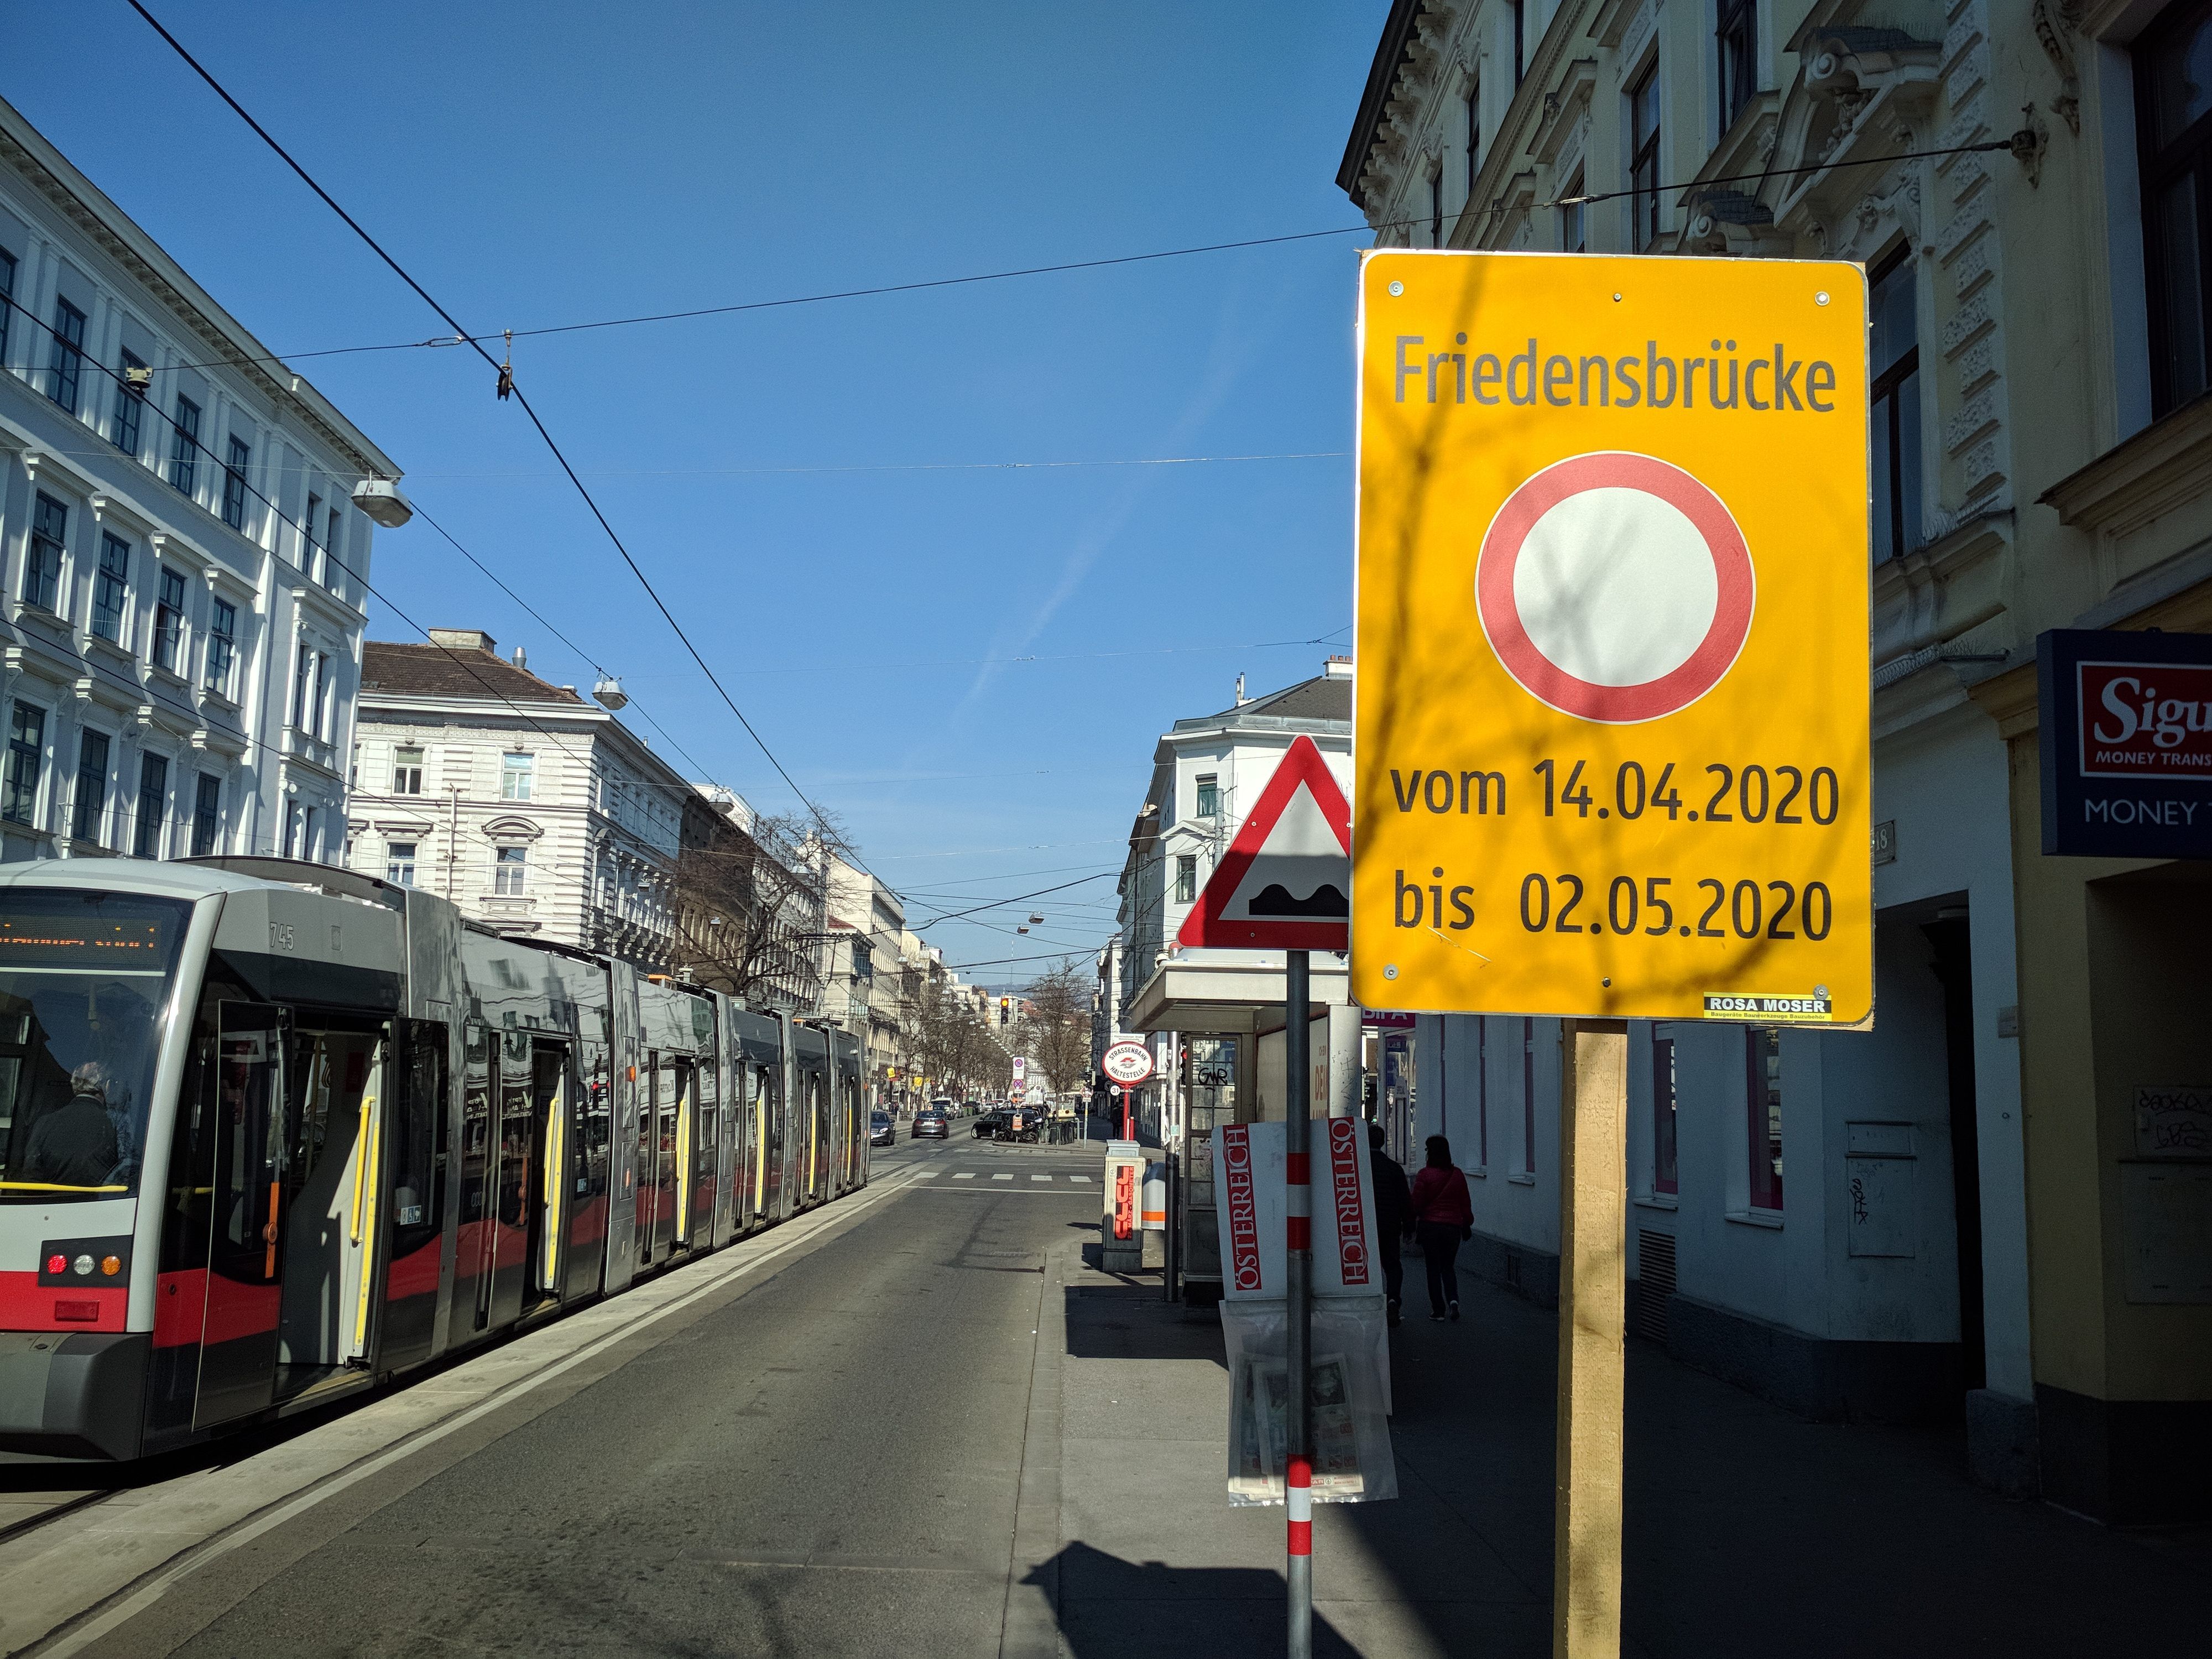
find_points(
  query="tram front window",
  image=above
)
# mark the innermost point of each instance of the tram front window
(84, 977)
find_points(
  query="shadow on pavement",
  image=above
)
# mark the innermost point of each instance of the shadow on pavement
(1113, 1607)
(1130, 1321)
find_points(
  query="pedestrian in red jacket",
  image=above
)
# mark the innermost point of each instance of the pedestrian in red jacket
(1444, 1216)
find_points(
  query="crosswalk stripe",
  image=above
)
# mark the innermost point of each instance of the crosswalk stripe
(965, 1175)
(1085, 1180)
(1039, 1177)
(1002, 1177)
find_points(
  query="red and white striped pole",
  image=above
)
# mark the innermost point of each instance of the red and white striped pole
(1297, 1212)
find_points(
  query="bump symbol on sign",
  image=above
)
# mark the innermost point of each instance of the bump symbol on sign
(1614, 587)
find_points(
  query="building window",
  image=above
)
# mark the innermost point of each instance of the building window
(207, 815)
(1473, 135)
(91, 799)
(1574, 219)
(407, 771)
(42, 565)
(309, 521)
(1527, 1097)
(330, 550)
(185, 447)
(509, 868)
(234, 485)
(292, 814)
(1186, 888)
(1644, 160)
(399, 863)
(514, 773)
(1894, 399)
(1762, 1094)
(152, 806)
(1209, 795)
(307, 834)
(1481, 1092)
(130, 404)
(111, 591)
(19, 788)
(1737, 39)
(1520, 39)
(7, 299)
(66, 363)
(169, 619)
(1437, 207)
(302, 667)
(2173, 131)
(222, 646)
(1664, 1178)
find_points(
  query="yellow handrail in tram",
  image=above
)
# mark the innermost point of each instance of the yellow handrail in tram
(366, 1172)
(557, 1175)
(683, 1164)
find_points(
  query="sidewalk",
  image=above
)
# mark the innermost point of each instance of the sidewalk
(1749, 1532)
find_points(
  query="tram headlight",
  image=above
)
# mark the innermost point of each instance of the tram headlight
(83, 1266)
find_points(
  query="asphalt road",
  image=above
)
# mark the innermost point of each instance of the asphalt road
(822, 1460)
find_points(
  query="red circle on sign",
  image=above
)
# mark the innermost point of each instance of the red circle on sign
(1553, 685)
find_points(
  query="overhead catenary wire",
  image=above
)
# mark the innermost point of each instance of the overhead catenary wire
(2017, 142)
(521, 398)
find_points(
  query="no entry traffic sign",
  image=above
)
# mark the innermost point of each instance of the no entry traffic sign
(1614, 587)
(1612, 747)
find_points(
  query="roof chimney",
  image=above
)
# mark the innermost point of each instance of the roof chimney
(519, 661)
(1241, 698)
(463, 639)
(1337, 668)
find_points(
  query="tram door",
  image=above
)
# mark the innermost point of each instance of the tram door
(657, 1164)
(474, 1243)
(591, 1122)
(245, 1292)
(768, 1146)
(549, 1137)
(706, 1150)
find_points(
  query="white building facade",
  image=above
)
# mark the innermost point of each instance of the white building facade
(535, 811)
(184, 572)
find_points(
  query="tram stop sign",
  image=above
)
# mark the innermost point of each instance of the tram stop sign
(1610, 722)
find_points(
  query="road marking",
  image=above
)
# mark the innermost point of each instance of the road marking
(1045, 1177)
(926, 1175)
(1002, 1177)
(965, 1175)
(1085, 1180)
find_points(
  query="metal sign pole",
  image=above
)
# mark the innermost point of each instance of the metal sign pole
(1297, 1212)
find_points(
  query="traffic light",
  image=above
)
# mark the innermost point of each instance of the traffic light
(1006, 1008)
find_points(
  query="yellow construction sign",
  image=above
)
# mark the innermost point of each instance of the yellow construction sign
(1612, 711)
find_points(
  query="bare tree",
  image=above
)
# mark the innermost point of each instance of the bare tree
(750, 905)
(1056, 1025)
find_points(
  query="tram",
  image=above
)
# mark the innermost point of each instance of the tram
(271, 1132)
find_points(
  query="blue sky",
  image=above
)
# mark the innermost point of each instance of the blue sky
(807, 486)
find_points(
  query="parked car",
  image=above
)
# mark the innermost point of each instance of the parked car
(881, 1131)
(989, 1124)
(944, 1106)
(932, 1123)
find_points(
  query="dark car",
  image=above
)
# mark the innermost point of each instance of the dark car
(988, 1125)
(882, 1132)
(934, 1124)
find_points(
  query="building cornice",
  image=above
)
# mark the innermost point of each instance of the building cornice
(96, 217)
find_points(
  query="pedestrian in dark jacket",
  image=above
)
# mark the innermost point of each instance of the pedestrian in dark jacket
(1444, 1215)
(1394, 1215)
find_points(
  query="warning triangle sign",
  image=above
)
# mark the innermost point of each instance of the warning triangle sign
(1285, 883)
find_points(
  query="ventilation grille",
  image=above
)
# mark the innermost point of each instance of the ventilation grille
(1654, 1283)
